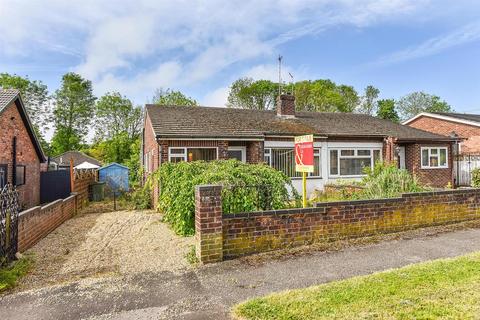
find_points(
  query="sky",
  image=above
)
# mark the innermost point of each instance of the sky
(201, 47)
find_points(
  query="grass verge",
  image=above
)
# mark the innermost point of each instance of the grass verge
(446, 289)
(10, 274)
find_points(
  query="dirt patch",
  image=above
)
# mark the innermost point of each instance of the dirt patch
(111, 243)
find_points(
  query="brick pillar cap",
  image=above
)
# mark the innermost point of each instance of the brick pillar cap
(207, 186)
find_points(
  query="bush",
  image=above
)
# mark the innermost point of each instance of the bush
(476, 178)
(178, 180)
(140, 197)
(388, 181)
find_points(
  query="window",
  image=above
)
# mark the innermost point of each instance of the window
(237, 153)
(433, 158)
(192, 154)
(3, 175)
(351, 162)
(283, 159)
(20, 175)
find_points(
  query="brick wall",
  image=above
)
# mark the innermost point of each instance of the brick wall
(439, 178)
(444, 127)
(12, 125)
(35, 223)
(220, 236)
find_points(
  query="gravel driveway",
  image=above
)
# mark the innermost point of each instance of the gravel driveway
(122, 243)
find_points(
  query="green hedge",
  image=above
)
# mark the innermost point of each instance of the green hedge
(178, 181)
(476, 178)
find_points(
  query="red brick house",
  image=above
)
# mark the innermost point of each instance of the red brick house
(344, 143)
(465, 126)
(20, 150)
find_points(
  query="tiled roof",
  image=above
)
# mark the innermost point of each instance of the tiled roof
(77, 156)
(186, 122)
(7, 96)
(461, 116)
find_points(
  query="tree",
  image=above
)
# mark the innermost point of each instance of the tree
(36, 99)
(249, 94)
(169, 97)
(368, 103)
(73, 113)
(116, 114)
(417, 102)
(386, 110)
(117, 127)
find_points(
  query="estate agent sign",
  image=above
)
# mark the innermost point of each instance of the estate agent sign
(304, 160)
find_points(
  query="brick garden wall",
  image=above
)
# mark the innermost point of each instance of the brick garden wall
(35, 223)
(220, 236)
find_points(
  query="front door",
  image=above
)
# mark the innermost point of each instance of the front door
(401, 157)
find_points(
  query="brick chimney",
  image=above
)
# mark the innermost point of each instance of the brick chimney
(286, 106)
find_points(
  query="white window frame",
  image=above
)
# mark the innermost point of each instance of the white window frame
(317, 151)
(243, 149)
(185, 152)
(438, 156)
(355, 156)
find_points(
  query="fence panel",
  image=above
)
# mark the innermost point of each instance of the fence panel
(9, 208)
(463, 166)
(54, 185)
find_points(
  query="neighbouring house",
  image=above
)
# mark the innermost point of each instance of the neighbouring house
(80, 161)
(20, 150)
(344, 143)
(463, 125)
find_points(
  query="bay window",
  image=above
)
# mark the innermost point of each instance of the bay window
(283, 159)
(192, 154)
(433, 158)
(351, 161)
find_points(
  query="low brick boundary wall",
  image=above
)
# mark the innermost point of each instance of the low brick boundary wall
(35, 223)
(220, 236)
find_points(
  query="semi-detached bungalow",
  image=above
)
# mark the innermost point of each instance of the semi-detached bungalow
(344, 143)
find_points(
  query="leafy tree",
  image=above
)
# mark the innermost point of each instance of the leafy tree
(73, 113)
(368, 101)
(34, 94)
(249, 94)
(36, 99)
(318, 95)
(115, 114)
(386, 110)
(169, 97)
(417, 102)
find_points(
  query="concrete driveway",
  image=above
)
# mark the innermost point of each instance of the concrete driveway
(209, 291)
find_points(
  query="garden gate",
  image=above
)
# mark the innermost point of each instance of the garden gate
(463, 165)
(9, 208)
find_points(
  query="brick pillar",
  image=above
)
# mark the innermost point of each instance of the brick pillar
(208, 223)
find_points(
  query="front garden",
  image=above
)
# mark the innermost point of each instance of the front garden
(442, 289)
(257, 187)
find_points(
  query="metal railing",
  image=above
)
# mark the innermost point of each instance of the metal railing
(9, 209)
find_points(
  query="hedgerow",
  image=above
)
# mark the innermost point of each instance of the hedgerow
(178, 180)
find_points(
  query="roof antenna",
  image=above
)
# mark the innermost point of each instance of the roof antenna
(279, 75)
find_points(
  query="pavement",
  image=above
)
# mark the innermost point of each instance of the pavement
(210, 291)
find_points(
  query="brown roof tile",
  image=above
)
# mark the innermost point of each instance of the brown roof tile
(185, 122)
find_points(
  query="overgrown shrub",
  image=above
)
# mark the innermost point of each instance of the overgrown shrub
(140, 197)
(383, 181)
(476, 178)
(178, 180)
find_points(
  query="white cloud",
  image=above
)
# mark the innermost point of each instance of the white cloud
(461, 36)
(216, 98)
(137, 45)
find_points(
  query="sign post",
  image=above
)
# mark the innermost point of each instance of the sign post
(304, 160)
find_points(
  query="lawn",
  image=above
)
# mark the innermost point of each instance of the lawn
(10, 274)
(447, 289)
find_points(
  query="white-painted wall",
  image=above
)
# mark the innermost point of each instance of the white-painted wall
(318, 183)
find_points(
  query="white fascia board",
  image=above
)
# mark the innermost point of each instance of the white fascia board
(442, 117)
